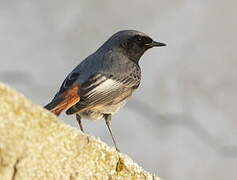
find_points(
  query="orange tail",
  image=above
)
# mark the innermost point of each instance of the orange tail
(65, 100)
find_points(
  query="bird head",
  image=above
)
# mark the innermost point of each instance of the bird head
(133, 43)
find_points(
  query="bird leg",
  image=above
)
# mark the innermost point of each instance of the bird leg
(108, 121)
(78, 117)
(79, 122)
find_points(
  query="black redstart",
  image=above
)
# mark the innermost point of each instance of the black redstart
(101, 84)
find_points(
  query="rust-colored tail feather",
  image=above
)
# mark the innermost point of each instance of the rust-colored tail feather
(65, 100)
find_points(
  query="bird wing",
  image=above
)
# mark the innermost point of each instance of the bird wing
(104, 89)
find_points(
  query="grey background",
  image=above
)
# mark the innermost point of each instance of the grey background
(181, 123)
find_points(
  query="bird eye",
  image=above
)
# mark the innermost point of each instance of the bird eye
(138, 38)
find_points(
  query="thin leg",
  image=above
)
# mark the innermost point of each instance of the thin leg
(108, 123)
(79, 122)
(81, 127)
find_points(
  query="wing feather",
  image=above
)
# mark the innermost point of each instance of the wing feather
(104, 91)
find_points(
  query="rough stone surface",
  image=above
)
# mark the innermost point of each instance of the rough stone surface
(34, 144)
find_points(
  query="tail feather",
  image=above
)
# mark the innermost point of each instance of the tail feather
(55, 106)
(64, 101)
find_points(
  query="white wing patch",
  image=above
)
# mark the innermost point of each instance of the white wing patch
(105, 86)
(101, 79)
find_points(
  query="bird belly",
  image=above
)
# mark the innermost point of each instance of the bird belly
(96, 113)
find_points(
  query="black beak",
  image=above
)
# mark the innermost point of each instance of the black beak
(157, 44)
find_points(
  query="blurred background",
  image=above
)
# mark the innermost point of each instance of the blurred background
(182, 122)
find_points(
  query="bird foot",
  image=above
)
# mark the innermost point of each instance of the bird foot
(120, 165)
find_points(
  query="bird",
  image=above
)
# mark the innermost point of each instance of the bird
(103, 82)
